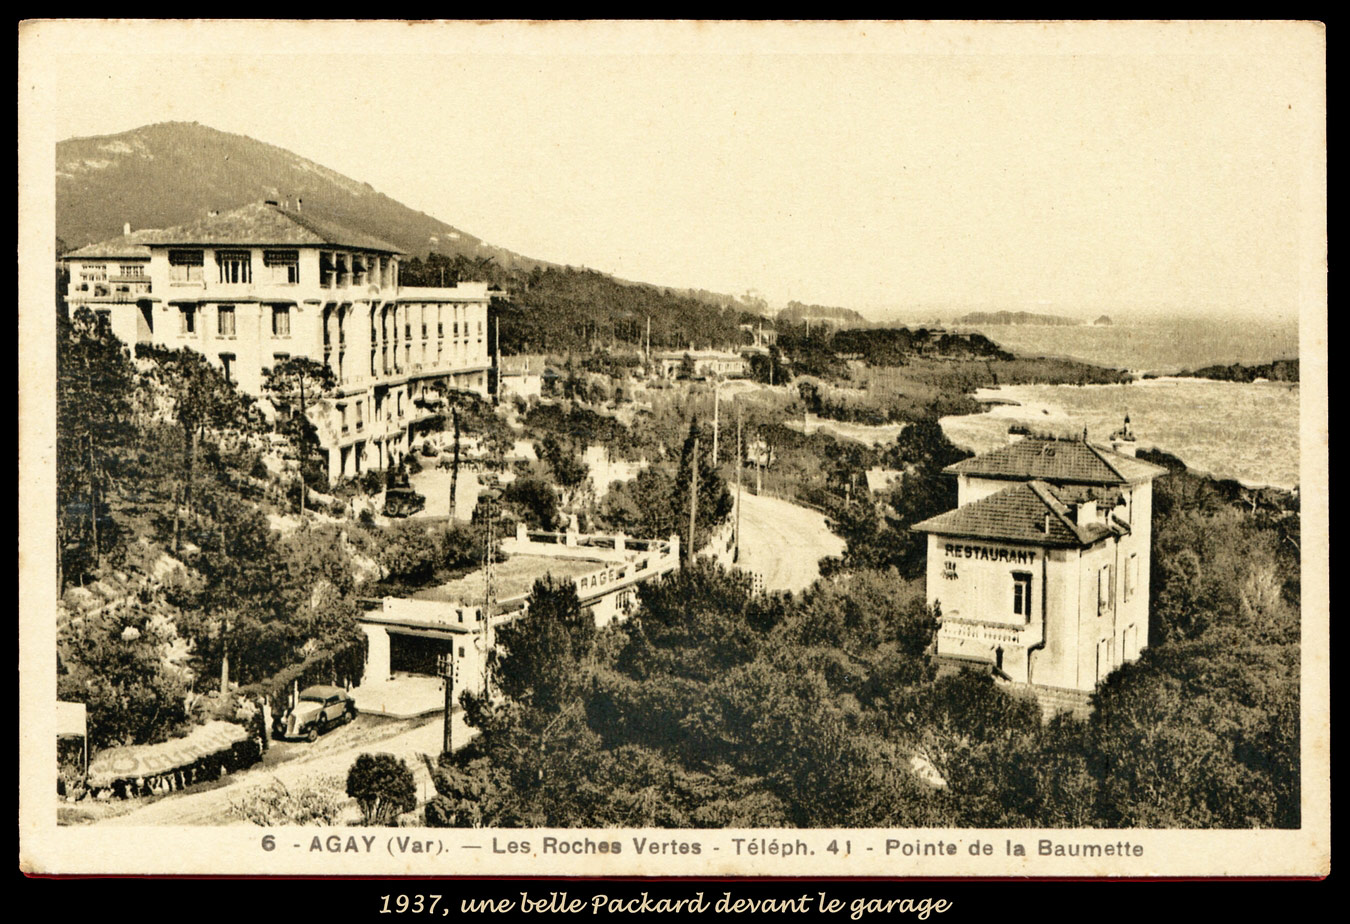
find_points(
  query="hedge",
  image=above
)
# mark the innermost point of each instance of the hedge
(346, 662)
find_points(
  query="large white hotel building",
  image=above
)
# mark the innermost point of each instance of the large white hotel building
(265, 282)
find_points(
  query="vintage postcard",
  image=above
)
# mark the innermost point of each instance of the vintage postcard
(673, 449)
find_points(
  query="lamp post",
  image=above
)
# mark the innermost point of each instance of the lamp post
(445, 667)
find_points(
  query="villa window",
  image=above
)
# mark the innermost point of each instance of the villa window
(187, 319)
(1022, 594)
(281, 320)
(185, 266)
(284, 266)
(236, 266)
(1105, 588)
(227, 363)
(1131, 575)
(225, 321)
(133, 270)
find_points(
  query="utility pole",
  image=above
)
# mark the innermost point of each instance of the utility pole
(497, 393)
(446, 668)
(486, 631)
(454, 464)
(737, 555)
(717, 407)
(759, 469)
(693, 498)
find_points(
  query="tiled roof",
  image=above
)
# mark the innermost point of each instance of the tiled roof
(128, 245)
(255, 224)
(1058, 460)
(1020, 513)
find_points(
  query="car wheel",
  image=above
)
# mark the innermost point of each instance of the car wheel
(313, 734)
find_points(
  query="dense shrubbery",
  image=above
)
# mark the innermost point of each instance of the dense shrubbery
(383, 786)
(307, 802)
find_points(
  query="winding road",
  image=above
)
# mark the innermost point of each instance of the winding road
(784, 542)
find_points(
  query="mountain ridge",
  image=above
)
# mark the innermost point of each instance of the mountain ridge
(171, 173)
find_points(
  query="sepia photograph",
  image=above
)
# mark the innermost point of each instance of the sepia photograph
(673, 449)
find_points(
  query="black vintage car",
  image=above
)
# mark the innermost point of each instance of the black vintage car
(400, 500)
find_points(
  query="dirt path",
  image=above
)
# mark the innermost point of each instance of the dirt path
(293, 762)
(784, 542)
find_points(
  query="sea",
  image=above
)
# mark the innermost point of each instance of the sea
(1160, 345)
(1249, 432)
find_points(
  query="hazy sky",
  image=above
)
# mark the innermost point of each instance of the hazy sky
(866, 166)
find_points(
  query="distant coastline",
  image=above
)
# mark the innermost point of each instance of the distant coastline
(1006, 318)
(1280, 370)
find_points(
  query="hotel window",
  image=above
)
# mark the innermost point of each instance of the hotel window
(187, 319)
(1022, 594)
(227, 363)
(1131, 575)
(279, 358)
(284, 266)
(236, 266)
(185, 266)
(135, 270)
(327, 269)
(225, 321)
(281, 320)
(360, 414)
(342, 409)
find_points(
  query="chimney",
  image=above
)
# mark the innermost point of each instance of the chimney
(1122, 441)
(1086, 512)
(1047, 524)
(126, 228)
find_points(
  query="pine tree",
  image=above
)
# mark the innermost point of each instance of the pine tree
(297, 383)
(96, 432)
(714, 502)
